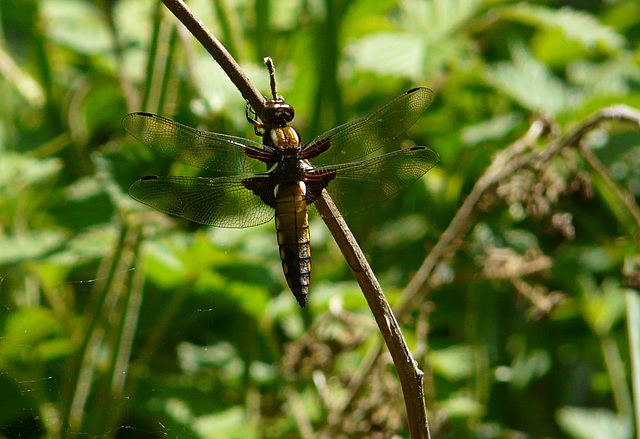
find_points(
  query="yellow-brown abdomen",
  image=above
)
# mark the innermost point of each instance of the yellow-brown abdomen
(292, 225)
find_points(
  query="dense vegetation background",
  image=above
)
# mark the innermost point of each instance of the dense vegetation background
(118, 321)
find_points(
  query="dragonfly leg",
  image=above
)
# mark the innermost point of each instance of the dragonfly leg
(258, 126)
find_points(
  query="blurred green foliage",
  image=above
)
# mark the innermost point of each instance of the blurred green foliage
(116, 321)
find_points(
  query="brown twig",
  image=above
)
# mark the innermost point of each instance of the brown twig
(616, 112)
(272, 76)
(410, 375)
(296, 406)
(505, 164)
(218, 52)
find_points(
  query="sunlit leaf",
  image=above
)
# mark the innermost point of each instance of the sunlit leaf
(428, 39)
(407, 229)
(18, 172)
(577, 25)
(29, 245)
(529, 366)
(77, 25)
(92, 243)
(24, 83)
(229, 424)
(531, 84)
(604, 305)
(612, 77)
(462, 405)
(389, 54)
(493, 129)
(33, 335)
(454, 363)
(586, 423)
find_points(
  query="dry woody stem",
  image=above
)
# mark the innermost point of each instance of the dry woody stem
(408, 372)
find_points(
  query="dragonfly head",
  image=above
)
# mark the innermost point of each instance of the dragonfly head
(277, 113)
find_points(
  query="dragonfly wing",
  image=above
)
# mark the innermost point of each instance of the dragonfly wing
(359, 186)
(358, 138)
(222, 154)
(221, 202)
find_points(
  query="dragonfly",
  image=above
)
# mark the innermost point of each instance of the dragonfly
(250, 183)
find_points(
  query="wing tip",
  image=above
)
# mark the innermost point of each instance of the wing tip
(138, 113)
(416, 89)
(427, 92)
(430, 155)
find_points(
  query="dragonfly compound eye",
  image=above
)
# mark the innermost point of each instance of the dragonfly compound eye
(277, 113)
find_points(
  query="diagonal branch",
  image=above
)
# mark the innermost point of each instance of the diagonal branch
(410, 375)
(411, 378)
(506, 164)
(218, 52)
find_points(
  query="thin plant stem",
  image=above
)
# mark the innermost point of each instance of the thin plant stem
(166, 68)
(296, 406)
(411, 378)
(633, 329)
(152, 51)
(623, 196)
(218, 52)
(91, 334)
(615, 366)
(408, 372)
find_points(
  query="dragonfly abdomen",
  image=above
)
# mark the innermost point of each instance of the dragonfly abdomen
(292, 225)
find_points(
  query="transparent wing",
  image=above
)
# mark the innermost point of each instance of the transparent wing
(222, 154)
(359, 186)
(356, 139)
(221, 202)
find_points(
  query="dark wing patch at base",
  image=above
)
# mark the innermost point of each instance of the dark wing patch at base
(361, 185)
(223, 155)
(221, 202)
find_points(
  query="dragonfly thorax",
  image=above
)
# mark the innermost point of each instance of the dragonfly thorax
(282, 138)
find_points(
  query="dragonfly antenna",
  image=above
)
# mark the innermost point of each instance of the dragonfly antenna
(272, 75)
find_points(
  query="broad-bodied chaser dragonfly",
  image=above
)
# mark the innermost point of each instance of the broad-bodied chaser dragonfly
(281, 177)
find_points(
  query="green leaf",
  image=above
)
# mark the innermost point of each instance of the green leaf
(92, 243)
(23, 82)
(438, 19)
(461, 405)
(604, 305)
(611, 77)
(526, 368)
(404, 230)
(581, 423)
(492, 129)
(77, 25)
(454, 363)
(29, 245)
(18, 172)
(230, 424)
(428, 39)
(576, 25)
(33, 334)
(531, 84)
(389, 53)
